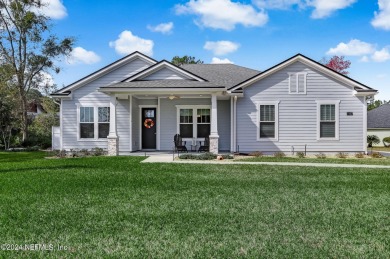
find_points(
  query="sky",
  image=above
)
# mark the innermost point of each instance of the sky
(253, 33)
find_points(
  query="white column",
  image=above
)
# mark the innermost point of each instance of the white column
(112, 139)
(365, 124)
(214, 125)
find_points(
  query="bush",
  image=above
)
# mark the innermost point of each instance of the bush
(372, 139)
(207, 156)
(386, 141)
(320, 156)
(376, 155)
(301, 154)
(97, 151)
(359, 155)
(227, 157)
(256, 154)
(342, 155)
(188, 156)
(279, 154)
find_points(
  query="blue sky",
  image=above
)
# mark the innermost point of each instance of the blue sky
(256, 34)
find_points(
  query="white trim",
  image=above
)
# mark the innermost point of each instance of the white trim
(158, 124)
(156, 91)
(276, 104)
(297, 82)
(235, 125)
(131, 121)
(194, 120)
(151, 70)
(337, 117)
(95, 121)
(365, 125)
(61, 124)
(307, 62)
(140, 123)
(231, 123)
(108, 69)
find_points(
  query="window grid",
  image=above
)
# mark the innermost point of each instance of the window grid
(267, 121)
(194, 128)
(327, 121)
(297, 83)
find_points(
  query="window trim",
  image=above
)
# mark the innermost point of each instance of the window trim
(194, 119)
(336, 103)
(296, 77)
(276, 104)
(95, 122)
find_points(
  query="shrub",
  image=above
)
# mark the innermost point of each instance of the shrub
(320, 156)
(342, 155)
(301, 154)
(376, 155)
(386, 141)
(207, 156)
(359, 155)
(188, 156)
(227, 157)
(97, 151)
(256, 154)
(84, 152)
(372, 139)
(279, 154)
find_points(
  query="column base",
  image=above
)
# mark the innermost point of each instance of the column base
(214, 144)
(112, 146)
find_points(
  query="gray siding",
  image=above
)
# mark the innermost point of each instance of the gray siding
(224, 125)
(164, 73)
(298, 113)
(123, 124)
(88, 95)
(135, 124)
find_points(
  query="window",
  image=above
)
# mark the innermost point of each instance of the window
(186, 123)
(103, 122)
(268, 121)
(203, 123)
(194, 121)
(328, 113)
(94, 123)
(297, 83)
(86, 122)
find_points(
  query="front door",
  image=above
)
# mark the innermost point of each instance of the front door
(149, 128)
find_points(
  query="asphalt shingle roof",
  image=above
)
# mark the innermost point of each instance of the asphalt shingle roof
(170, 83)
(227, 75)
(379, 118)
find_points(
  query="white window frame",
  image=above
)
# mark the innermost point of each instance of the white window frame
(95, 123)
(276, 104)
(296, 78)
(336, 103)
(194, 120)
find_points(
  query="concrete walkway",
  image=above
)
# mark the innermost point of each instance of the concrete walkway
(168, 158)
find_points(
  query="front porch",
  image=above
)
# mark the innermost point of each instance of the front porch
(148, 121)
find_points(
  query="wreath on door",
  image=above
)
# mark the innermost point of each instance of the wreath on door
(148, 123)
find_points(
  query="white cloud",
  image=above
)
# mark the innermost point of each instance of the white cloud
(128, 43)
(164, 28)
(381, 76)
(221, 61)
(381, 55)
(44, 79)
(223, 14)
(364, 59)
(353, 48)
(53, 9)
(382, 18)
(324, 8)
(81, 55)
(220, 48)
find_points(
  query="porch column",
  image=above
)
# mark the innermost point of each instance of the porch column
(112, 139)
(214, 125)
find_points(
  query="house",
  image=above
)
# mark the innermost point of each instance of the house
(138, 103)
(378, 122)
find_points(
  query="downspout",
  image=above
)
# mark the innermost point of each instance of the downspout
(231, 125)
(235, 124)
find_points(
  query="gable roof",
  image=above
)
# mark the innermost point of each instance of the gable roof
(120, 62)
(226, 75)
(309, 62)
(379, 118)
(160, 65)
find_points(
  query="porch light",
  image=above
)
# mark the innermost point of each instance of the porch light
(172, 97)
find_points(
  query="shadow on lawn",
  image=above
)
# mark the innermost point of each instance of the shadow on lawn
(46, 168)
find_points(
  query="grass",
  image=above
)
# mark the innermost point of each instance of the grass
(351, 160)
(118, 207)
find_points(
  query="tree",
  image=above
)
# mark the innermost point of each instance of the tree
(372, 139)
(29, 48)
(375, 104)
(8, 117)
(178, 61)
(338, 64)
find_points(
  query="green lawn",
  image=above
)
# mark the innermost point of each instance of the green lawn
(118, 207)
(350, 160)
(380, 149)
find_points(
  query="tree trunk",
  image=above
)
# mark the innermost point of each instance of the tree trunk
(24, 117)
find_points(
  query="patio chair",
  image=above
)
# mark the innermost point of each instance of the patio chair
(205, 147)
(180, 145)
